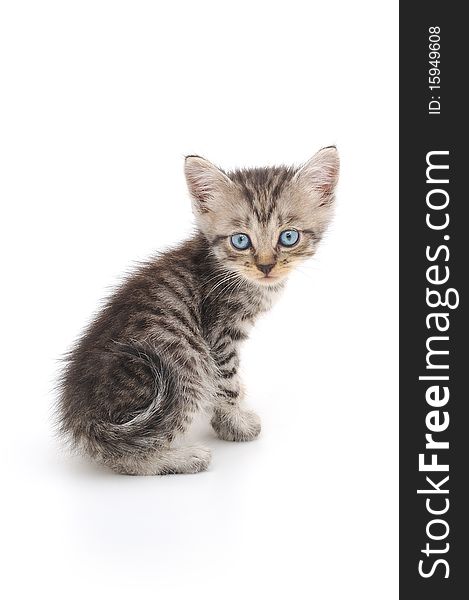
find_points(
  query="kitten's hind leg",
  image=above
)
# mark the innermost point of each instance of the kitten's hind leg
(164, 461)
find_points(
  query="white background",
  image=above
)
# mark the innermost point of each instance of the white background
(100, 101)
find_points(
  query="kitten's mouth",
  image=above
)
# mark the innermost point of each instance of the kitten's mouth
(264, 280)
(268, 279)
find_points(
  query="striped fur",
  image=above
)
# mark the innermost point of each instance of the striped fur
(166, 344)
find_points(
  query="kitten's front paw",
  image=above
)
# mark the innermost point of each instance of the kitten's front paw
(198, 459)
(237, 425)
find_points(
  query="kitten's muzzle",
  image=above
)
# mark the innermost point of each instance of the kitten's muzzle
(266, 269)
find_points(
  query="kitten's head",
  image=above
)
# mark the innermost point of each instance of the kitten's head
(262, 222)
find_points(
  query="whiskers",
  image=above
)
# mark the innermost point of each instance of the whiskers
(223, 280)
(305, 269)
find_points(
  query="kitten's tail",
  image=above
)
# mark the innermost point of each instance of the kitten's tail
(146, 429)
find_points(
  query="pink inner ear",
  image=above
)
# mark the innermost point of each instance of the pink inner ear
(327, 185)
(199, 189)
(321, 173)
(205, 181)
(326, 198)
(200, 193)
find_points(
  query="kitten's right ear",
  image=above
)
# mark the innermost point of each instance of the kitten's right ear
(207, 184)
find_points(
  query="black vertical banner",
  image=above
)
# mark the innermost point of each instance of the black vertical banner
(434, 269)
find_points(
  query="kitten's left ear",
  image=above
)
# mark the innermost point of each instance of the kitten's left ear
(319, 176)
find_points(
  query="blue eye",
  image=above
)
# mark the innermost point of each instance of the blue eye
(289, 237)
(240, 241)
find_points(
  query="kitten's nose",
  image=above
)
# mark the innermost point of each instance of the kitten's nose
(266, 269)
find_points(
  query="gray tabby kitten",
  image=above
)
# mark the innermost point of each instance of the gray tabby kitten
(166, 344)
